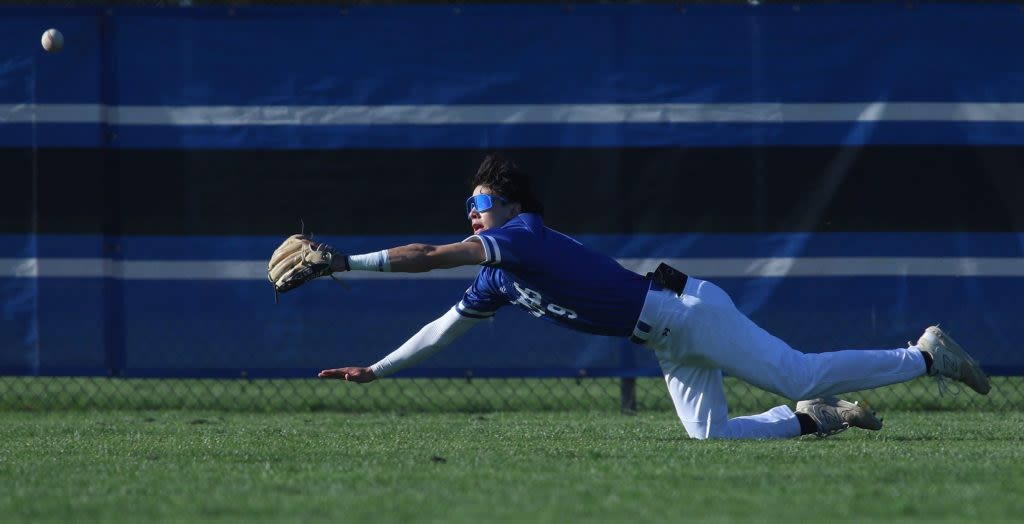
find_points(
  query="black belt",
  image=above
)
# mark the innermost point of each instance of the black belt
(668, 278)
(664, 277)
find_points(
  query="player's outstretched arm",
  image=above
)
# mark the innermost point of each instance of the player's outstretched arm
(423, 257)
(300, 259)
(414, 258)
(429, 340)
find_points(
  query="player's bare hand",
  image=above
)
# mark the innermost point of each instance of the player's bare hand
(351, 374)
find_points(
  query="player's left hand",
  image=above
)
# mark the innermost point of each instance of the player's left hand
(351, 374)
(298, 260)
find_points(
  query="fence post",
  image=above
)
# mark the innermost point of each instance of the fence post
(627, 395)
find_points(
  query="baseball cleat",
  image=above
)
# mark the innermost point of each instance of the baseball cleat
(950, 360)
(833, 415)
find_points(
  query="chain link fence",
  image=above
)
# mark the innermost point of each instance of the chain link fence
(448, 395)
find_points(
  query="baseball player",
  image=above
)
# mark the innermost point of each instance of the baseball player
(691, 325)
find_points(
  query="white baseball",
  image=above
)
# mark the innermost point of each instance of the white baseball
(52, 40)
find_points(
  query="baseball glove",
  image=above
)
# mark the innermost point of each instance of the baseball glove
(298, 260)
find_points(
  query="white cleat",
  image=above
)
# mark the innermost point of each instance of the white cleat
(950, 360)
(833, 415)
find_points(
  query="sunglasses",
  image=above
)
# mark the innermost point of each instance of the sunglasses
(482, 203)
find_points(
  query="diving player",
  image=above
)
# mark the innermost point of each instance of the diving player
(693, 327)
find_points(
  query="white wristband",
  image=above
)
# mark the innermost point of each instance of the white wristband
(370, 262)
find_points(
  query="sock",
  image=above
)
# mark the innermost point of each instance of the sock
(807, 425)
(927, 362)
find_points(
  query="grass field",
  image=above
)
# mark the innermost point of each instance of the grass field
(181, 465)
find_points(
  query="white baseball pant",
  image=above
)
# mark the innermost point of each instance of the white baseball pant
(700, 334)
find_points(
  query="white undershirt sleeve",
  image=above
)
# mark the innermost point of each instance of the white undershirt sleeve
(431, 339)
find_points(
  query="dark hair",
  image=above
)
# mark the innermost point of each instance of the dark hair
(506, 179)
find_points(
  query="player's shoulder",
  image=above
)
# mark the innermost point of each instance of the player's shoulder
(531, 222)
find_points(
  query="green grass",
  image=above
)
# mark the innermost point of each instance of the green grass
(143, 466)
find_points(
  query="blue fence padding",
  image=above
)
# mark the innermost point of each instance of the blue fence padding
(227, 328)
(190, 326)
(479, 54)
(640, 245)
(506, 136)
(591, 54)
(119, 58)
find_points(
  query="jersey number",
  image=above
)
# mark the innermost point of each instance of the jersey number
(534, 303)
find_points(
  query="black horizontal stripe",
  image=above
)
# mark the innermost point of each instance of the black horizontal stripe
(622, 190)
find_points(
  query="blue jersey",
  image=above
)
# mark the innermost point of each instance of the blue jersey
(554, 277)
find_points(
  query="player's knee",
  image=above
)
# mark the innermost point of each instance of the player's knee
(701, 431)
(696, 430)
(697, 435)
(713, 435)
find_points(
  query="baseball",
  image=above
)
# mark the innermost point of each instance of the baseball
(52, 40)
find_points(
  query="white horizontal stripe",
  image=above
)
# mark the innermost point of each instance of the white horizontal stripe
(511, 114)
(699, 267)
(836, 266)
(53, 113)
(183, 270)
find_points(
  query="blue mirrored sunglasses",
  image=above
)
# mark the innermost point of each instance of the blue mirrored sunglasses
(482, 203)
